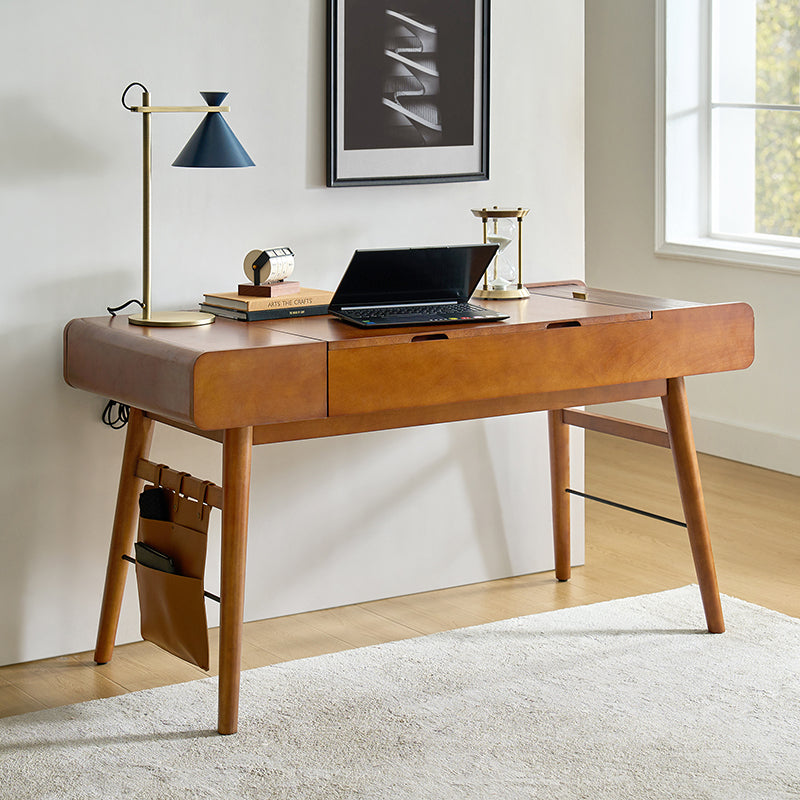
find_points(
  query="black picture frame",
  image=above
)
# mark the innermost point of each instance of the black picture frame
(408, 91)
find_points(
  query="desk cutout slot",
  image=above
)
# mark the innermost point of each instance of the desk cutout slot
(571, 323)
(429, 337)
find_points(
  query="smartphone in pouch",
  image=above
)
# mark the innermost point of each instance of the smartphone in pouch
(150, 557)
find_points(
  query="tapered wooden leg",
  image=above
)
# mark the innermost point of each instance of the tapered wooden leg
(679, 427)
(137, 445)
(558, 433)
(237, 448)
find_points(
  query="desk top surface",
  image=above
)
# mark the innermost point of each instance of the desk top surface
(232, 373)
(548, 306)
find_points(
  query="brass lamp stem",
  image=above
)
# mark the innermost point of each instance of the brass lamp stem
(146, 209)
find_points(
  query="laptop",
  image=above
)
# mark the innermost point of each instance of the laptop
(414, 286)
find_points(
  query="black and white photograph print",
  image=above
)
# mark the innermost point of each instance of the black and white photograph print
(407, 91)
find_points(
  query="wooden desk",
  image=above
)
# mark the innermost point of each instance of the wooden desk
(282, 380)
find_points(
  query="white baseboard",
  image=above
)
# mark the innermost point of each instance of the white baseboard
(748, 445)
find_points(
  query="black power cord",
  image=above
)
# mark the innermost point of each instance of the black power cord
(115, 414)
(113, 311)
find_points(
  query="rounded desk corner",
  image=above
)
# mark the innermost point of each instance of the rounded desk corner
(747, 309)
(748, 313)
(65, 351)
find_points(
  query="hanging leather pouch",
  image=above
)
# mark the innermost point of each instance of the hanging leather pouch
(170, 567)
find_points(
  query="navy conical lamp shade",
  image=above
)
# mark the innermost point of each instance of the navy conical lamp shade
(213, 144)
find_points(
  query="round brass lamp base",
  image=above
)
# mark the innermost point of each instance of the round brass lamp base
(172, 319)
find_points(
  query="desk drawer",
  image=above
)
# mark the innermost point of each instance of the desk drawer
(434, 372)
(430, 372)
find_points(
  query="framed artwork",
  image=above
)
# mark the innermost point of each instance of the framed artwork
(408, 91)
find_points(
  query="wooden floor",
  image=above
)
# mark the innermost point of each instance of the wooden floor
(754, 515)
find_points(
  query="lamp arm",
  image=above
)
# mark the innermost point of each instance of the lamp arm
(179, 109)
(148, 109)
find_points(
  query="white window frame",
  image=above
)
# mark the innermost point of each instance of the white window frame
(683, 222)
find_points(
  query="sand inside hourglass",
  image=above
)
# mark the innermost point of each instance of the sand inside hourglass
(502, 272)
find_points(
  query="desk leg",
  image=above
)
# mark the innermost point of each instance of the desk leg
(237, 448)
(558, 432)
(137, 445)
(679, 426)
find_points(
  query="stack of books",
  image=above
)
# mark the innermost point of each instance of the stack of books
(302, 303)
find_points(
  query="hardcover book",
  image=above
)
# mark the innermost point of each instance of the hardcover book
(265, 313)
(302, 298)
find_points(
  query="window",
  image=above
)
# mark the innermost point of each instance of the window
(728, 131)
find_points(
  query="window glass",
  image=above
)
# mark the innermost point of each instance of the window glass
(733, 42)
(777, 132)
(777, 173)
(729, 144)
(778, 52)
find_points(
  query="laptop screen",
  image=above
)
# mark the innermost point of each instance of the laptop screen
(413, 275)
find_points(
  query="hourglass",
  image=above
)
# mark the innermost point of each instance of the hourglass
(503, 278)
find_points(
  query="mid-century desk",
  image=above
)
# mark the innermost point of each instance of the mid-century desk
(288, 379)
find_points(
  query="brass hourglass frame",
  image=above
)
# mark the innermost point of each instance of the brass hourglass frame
(511, 292)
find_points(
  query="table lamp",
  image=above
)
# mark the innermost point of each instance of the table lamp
(213, 144)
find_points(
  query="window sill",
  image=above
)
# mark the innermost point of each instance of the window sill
(770, 258)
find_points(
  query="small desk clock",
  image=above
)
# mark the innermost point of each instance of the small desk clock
(267, 271)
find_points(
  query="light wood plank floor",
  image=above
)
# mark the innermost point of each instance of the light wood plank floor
(754, 515)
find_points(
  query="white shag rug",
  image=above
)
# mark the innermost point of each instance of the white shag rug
(625, 699)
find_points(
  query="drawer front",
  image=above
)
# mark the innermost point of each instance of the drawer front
(430, 373)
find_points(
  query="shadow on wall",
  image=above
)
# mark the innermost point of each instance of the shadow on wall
(363, 516)
(55, 482)
(60, 468)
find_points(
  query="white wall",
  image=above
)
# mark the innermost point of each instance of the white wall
(333, 521)
(749, 415)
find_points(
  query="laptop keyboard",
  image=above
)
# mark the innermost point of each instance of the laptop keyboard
(434, 313)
